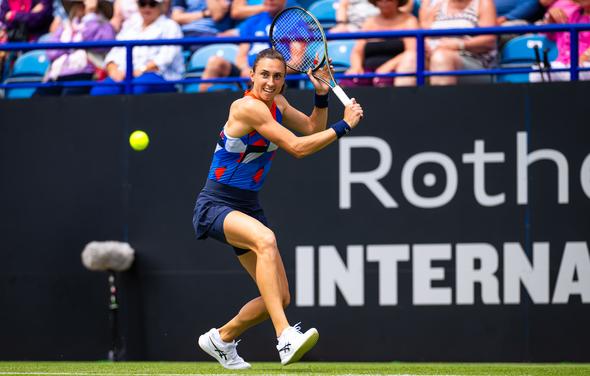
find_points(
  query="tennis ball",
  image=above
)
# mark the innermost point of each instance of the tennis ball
(139, 140)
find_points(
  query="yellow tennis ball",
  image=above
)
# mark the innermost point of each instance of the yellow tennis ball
(139, 140)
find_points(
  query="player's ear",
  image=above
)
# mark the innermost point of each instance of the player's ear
(251, 74)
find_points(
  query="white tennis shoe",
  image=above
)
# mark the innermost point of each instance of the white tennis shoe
(293, 344)
(225, 353)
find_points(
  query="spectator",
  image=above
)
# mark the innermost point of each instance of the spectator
(59, 15)
(25, 20)
(3, 54)
(3, 35)
(389, 55)
(202, 17)
(352, 14)
(517, 12)
(124, 11)
(579, 15)
(254, 26)
(150, 63)
(241, 9)
(88, 21)
(561, 9)
(455, 53)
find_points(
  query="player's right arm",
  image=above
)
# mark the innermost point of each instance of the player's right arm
(254, 114)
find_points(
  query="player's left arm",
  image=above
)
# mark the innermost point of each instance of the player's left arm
(298, 121)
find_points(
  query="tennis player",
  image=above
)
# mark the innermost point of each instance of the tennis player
(228, 210)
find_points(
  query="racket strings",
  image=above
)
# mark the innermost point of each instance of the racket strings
(298, 37)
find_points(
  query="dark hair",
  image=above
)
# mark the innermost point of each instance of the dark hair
(269, 53)
(400, 3)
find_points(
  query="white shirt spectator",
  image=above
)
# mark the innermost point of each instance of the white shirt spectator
(168, 58)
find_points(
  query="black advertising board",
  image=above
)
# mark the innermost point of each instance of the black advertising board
(452, 225)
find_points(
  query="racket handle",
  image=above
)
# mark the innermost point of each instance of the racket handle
(341, 95)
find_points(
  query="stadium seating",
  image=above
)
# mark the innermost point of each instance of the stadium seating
(519, 53)
(29, 67)
(340, 54)
(198, 61)
(325, 12)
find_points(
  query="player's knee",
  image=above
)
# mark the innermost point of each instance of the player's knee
(266, 244)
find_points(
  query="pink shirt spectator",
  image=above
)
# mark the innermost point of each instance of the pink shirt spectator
(568, 6)
(563, 39)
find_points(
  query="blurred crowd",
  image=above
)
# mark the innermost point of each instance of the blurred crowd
(154, 66)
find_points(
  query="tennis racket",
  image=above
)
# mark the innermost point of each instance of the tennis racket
(299, 37)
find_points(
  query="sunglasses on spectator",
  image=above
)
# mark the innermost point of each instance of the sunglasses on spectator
(148, 3)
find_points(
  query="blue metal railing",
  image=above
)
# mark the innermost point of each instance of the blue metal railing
(419, 34)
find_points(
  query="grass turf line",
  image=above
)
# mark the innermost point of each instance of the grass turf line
(303, 368)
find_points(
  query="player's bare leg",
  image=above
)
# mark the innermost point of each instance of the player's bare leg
(254, 312)
(245, 232)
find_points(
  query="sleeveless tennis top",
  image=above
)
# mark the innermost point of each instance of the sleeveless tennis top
(244, 162)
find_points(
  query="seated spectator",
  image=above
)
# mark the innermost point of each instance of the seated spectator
(240, 9)
(59, 15)
(88, 21)
(388, 55)
(254, 26)
(123, 12)
(579, 15)
(459, 53)
(150, 63)
(3, 39)
(126, 10)
(3, 35)
(202, 18)
(517, 12)
(352, 14)
(25, 20)
(561, 9)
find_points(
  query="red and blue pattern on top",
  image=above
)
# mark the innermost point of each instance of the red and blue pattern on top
(244, 162)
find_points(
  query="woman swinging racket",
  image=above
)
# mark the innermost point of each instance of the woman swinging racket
(227, 208)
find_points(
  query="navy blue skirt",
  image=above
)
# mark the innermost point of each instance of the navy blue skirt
(215, 202)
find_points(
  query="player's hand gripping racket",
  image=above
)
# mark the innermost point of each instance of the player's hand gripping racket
(299, 37)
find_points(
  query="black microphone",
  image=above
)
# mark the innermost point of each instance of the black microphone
(546, 62)
(538, 58)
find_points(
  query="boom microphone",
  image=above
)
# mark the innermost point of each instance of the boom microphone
(108, 256)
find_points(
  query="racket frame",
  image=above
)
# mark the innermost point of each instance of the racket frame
(324, 59)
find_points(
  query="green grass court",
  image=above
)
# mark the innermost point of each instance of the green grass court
(274, 368)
